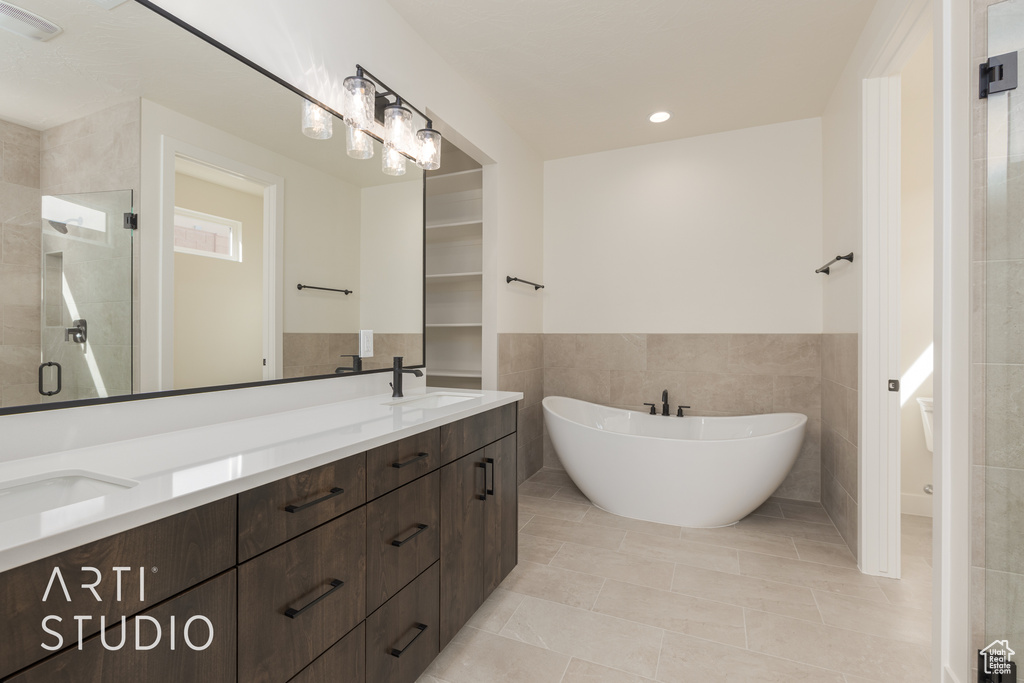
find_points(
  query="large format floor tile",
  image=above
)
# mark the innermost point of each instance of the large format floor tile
(777, 598)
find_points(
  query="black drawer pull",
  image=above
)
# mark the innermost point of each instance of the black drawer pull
(484, 466)
(291, 613)
(400, 465)
(420, 628)
(420, 529)
(489, 461)
(299, 508)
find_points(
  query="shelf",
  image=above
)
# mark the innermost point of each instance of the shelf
(454, 373)
(451, 278)
(455, 182)
(463, 231)
(454, 325)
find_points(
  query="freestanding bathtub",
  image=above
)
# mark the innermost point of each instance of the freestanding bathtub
(689, 471)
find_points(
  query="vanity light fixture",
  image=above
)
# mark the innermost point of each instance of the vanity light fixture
(660, 117)
(317, 122)
(364, 97)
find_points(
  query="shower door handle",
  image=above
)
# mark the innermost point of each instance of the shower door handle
(59, 373)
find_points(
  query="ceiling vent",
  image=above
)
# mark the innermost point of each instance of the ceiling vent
(24, 23)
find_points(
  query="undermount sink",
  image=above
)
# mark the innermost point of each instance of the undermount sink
(53, 490)
(438, 399)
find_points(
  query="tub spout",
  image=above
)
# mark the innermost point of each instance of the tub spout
(664, 403)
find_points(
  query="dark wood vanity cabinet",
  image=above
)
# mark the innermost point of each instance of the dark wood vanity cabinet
(479, 530)
(358, 571)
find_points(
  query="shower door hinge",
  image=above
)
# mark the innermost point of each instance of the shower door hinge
(131, 221)
(998, 74)
(894, 385)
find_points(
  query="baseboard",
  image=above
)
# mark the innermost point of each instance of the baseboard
(916, 504)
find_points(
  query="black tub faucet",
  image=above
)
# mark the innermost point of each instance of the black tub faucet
(399, 371)
(664, 403)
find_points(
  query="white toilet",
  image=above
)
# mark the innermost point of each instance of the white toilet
(926, 418)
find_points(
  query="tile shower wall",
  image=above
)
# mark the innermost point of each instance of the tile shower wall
(96, 153)
(19, 264)
(307, 354)
(839, 428)
(997, 341)
(521, 368)
(715, 374)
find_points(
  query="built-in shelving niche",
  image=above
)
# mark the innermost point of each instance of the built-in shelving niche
(454, 277)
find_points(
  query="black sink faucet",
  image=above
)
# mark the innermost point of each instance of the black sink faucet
(664, 403)
(357, 364)
(399, 371)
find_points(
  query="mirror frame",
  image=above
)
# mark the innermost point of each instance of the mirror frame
(78, 403)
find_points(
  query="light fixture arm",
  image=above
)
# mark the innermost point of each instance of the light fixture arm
(387, 90)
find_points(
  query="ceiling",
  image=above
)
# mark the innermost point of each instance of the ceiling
(107, 57)
(581, 76)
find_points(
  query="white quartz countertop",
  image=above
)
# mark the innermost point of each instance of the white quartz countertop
(184, 469)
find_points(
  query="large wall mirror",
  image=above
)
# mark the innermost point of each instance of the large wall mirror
(126, 112)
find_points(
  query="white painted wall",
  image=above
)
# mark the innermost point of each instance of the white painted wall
(391, 258)
(916, 269)
(718, 233)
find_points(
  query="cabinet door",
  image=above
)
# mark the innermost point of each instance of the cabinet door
(501, 513)
(298, 599)
(402, 538)
(402, 637)
(175, 656)
(345, 662)
(462, 528)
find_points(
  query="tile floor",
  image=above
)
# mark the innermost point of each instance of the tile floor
(776, 598)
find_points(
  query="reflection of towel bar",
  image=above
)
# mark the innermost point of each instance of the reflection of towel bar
(346, 292)
(825, 268)
(510, 279)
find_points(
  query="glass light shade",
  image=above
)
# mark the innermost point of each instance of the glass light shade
(358, 98)
(317, 122)
(394, 162)
(358, 144)
(398, 128)
(429, 149)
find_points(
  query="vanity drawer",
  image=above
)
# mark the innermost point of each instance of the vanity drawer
(465, 436)
(214, 600)
(271, 514)
(394, 464)
(402, 538)
(345, 662)
(402, 636)
(298, 599)
(172, 554)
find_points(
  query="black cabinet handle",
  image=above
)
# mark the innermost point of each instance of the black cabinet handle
(489, 461)
(299, 508)
(484, 467)
(400, 465)
(420, 529)
(420, 628)
(292, 613)
(59, 373)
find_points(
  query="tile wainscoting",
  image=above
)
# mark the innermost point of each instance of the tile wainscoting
(839, 428)
(716, 374)
(308, 354)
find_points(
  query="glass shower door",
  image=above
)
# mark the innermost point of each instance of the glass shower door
(86, 312)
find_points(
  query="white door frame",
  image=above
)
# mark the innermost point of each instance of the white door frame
(273, 255)
(879, 552)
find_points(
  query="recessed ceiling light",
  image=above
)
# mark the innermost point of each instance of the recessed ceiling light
(660, 117)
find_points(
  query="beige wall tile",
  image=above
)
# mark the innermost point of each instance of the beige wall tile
(21, 164)
(685, 659)
(803, 482)
(833, 407)
(745, 591)
(611, 351)
(584, 384)
(20, 325)
(559, 351)
(775, 354)
(797, 395)
(598, 638)
(18, 203)
(978, 477)
(688, 352)
(1004, 416)
(19, 135)
(19, 364)
(1004, 519)
(520, 352)
(305, 349)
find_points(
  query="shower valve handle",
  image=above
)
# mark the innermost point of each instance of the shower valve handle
(679, 413)
(654, 408)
